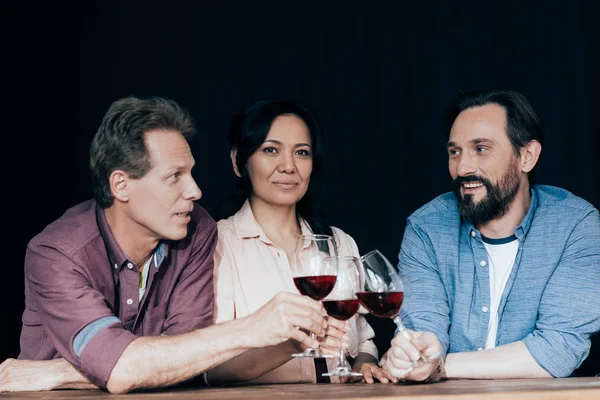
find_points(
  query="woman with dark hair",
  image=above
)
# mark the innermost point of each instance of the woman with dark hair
(276, 148)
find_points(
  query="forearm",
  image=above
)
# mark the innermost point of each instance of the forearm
(503, 362)
(69, 378)
(150, 362)
(245, 366)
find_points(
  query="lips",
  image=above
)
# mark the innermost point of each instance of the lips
(286, 184)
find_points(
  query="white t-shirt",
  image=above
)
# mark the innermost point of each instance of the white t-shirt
(144, 276)
(501, 258)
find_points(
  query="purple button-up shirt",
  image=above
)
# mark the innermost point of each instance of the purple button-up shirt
(81, 290)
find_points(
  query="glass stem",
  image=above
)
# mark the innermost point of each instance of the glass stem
(313, 337)
(343, 362)
(401, 328)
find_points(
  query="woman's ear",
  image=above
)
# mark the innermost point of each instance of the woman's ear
(233, 156)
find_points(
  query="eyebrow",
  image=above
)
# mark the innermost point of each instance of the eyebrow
(472, 141)
(278, 142)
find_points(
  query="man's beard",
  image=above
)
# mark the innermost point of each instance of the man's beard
(494, 204)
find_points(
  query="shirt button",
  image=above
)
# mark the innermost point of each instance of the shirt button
(473, 234)
(479, 348)
(130, 265)
(484, 309)
(482, 263)
(116, 266)
(129, 301)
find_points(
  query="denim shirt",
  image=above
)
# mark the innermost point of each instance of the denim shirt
(551, 301)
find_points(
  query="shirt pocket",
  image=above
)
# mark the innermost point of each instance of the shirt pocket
(154, 320)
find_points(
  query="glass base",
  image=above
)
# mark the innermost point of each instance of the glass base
(312, 353)
(342, 372)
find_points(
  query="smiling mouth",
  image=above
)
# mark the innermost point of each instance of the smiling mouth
(472, 185)
(182, 215)
(286, 184)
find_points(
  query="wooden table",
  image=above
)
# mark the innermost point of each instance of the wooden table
(525, 389)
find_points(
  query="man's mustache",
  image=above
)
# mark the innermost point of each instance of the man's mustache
(470, 178)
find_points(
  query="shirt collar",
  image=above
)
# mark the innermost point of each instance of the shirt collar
(523, 228)
(118, 258)
(245, 225)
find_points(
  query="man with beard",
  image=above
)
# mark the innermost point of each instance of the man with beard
(501, 277)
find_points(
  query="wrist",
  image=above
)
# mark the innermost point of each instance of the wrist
(438, 373)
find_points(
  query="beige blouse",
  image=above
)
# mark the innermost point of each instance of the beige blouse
(250, 270)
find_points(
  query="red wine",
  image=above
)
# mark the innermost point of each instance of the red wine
(383, 304)
(316, 287)
(341, 309)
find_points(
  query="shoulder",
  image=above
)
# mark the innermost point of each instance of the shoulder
(561, 201)
(347, 244)
(201, 219)
(76, 228)
(441, 211)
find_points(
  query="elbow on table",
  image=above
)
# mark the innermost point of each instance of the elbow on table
(118, 384)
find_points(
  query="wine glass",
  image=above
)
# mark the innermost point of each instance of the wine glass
(382, 294)
(342, 304)
(314, 267)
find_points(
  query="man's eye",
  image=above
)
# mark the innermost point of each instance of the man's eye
(481, 149)
(453, 152)
(174, 177)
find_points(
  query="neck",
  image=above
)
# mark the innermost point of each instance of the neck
(133, 239)
(278, 222)
(505, 226)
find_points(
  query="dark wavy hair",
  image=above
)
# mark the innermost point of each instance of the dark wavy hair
(247, 132)
(119, 142)
(522, 122)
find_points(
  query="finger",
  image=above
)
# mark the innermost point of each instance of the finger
(335, 332)
(354, 379)
(293, 309)
(309, 324)
(367, 374)
(330, 343)
(396, 354)
(399, 373)
(303, 338)
(302, 301)
(344, 379)
(389, 376)
(328, 351)
(407, 347)
(379, 374)
(420, 372)
(337, 324)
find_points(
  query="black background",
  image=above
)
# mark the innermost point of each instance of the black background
(377, 75)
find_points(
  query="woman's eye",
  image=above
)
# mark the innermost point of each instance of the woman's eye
(303, 152)
(270, 150)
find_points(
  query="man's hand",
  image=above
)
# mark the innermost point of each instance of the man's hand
(26, 375)
(400, 358)
(286, 316)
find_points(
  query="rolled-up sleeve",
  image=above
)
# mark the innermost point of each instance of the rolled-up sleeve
(569, 312)
(425, 306)
(67, 304)
(191, 305)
